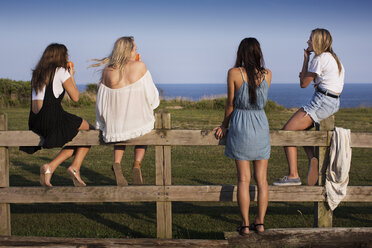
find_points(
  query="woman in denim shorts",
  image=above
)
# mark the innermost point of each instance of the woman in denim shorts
(327, 73)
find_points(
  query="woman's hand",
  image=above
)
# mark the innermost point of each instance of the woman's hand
(220, 132)
(307, 53)
(71, 70)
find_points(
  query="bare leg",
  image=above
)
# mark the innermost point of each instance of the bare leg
(118, 153)
(299, 121)
(244, 178)
(139, 152)
(80, 154)
(64, 154)
(260, 175)
(309, 150)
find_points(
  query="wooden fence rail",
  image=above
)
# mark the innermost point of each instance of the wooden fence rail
(163, 192)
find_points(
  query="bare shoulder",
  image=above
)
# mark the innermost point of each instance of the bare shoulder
(137, 66)
(234, 71)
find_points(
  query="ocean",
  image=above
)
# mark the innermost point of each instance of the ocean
(287, 95)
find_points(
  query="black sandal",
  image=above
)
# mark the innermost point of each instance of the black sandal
(254, 226)
(240, 230)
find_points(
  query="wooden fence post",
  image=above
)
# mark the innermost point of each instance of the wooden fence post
(4, 180)
(323, 214)
(163, 178)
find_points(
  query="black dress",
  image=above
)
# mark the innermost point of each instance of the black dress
(56, 126)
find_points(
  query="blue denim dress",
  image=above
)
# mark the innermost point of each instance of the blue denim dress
(248, 137)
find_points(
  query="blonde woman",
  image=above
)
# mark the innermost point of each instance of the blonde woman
(125, 102)
(327, 73)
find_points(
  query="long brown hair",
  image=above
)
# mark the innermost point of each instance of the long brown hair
(250, 57)
(54, 56)
(322, 42)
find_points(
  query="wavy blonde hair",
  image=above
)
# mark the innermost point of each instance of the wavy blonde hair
(119, 56)
(322, 42)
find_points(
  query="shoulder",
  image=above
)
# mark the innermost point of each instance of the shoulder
(62, 74)
(234, 70)
(138, 66)
(61, 70)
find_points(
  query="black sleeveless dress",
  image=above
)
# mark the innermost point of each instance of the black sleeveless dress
(56, 126)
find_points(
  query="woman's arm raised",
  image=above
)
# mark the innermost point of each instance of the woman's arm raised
(70, 86)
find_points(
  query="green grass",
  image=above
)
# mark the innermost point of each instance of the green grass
(191, 166)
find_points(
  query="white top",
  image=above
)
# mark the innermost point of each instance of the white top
(328, 77)
(60, 77)
(127, 112)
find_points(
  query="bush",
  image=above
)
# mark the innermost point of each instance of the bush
(14, 93)
(92, 88)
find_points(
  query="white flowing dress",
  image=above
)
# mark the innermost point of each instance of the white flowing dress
(127, 112)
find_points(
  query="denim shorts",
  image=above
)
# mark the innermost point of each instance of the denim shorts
(321, 106)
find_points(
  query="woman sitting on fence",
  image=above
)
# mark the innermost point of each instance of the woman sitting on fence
(248, 138)
(50, 79)
(327, 72)
(125, 102)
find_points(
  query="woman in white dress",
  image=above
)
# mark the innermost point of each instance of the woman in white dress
(125, 102)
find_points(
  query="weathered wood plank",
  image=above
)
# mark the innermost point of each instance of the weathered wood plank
(323, 215)
(168, 137)
(4, 181)
(81, 194)
(206, 193)
(228, 193)
(361, 140)
(17, 241)
(163, 177)
(304, 237)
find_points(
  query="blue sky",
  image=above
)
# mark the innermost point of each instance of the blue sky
(184, 41)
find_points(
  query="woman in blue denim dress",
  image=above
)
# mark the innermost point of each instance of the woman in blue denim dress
(327, 72)
(248, 138)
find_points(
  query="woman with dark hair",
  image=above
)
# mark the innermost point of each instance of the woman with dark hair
(248, 138)
(50, 79)
(327, 73)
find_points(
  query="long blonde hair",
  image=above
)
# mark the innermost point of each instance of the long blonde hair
(119, 56)
(322, 42)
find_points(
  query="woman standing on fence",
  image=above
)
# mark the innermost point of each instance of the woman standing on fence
(125, 102)
(327, 72)
(248, 138)
(50, 80)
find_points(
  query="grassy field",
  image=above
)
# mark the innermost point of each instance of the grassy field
(191, 166)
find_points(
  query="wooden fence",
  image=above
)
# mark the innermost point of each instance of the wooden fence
(163, 192)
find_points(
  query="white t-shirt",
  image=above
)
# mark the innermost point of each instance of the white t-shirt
(60, 77)
(328, 77)
(127, 112)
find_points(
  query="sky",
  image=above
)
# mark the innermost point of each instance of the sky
(184, 41)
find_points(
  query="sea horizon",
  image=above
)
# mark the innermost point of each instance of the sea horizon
(289, 95)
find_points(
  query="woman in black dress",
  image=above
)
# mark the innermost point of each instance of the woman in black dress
(50, 79)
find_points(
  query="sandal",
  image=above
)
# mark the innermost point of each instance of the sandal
(254, 226)
(240, 230)
(75, 176)
(120, 179)
(137, 175)
(45, 175)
